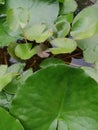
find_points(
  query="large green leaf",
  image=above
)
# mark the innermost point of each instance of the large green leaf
(90, 48)
(7, 122)
(57, 98)
(40, 11)
(85, 23)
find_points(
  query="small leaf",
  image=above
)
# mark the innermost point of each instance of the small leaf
(90, 48)
(63, 28)
(68, 6)
(67, 17)
(7, 122)
(37, 32)
(85, 23)
(25, 51)
(63, 45)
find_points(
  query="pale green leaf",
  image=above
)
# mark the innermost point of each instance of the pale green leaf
(63, 45)
(40, 11)
(57, 97)
(5, 38)
(12, 87)
(90, 48)
(85, 23)
(25, 51)
(38, 33)
(68, 6)
(63, 28)
(16, 20)
(93, 72)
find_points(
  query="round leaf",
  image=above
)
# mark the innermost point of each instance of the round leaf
(24, 51)
(85, 23)
(57, 97)
(63, 45)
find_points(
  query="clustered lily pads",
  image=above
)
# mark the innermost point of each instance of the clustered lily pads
(58, 96)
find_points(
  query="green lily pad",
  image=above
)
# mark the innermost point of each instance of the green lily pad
(68, 6)
(24, 51)
(7, 122)
(63, 45)
(38, 33)
(90, 48)
(57, 97)
(40, 11)
(85, 23)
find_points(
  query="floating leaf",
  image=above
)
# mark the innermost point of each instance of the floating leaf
(67, 17)
(57, 97)
(40, 11)
(62, 28)
(38, 33)
(90, 48)
(85, 23)
(8, 122)
(68, 6)
(63, 45)
(16, 20)
(25, 51)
